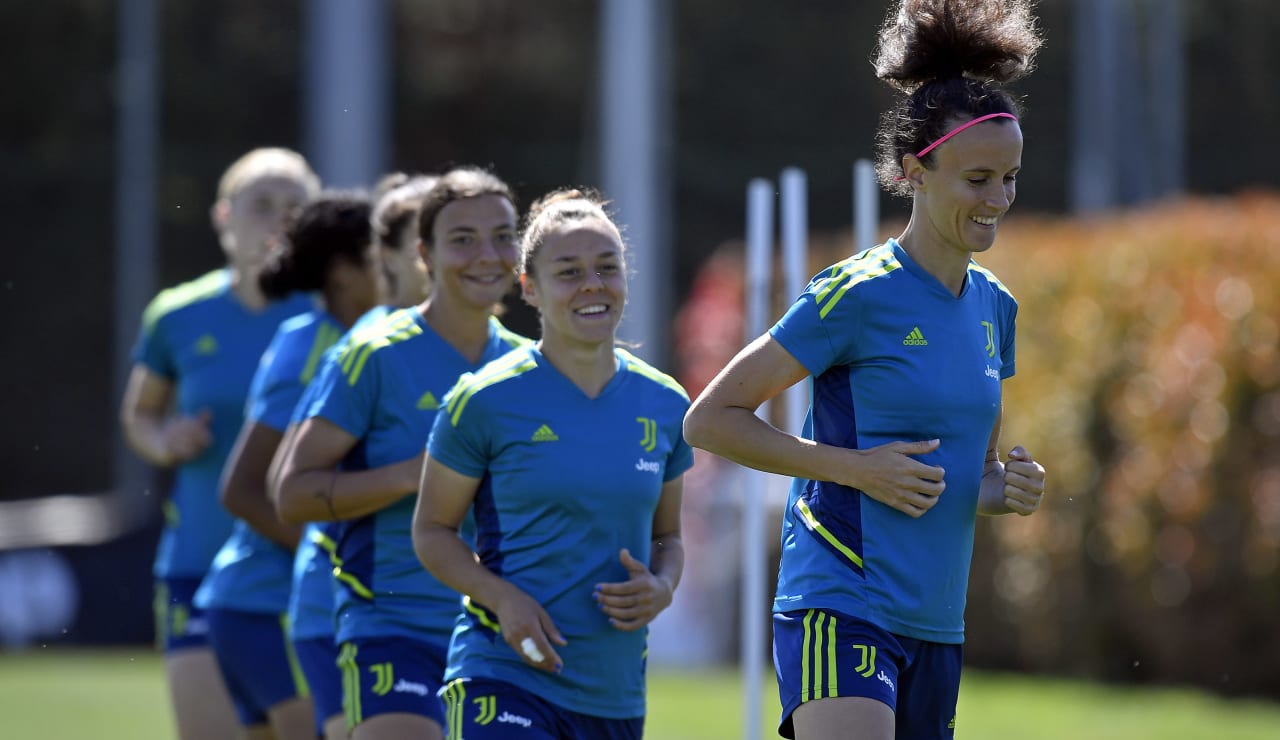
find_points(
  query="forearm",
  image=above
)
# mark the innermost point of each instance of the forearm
(452, 562)
(991, 491)
(666, 560)
(250, 503)
(737, 434)
(144, 433)
(330, 495)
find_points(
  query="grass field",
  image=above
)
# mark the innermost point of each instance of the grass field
(119, 695)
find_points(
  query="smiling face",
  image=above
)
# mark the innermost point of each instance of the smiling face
(473, 253)
(972, 185)
(577, 281)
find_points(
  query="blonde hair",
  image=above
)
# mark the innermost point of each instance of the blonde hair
(266, 162)
(564, 205)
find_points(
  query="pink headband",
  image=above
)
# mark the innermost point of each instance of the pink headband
(920, 154)
(962, 127)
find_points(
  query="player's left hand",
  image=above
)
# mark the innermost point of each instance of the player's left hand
(635, 602)
(1023, 482)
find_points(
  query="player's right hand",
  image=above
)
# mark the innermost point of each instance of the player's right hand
(528, 629)
(891, 475)
(186, 437)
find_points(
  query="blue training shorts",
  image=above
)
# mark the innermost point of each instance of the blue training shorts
(180, 624)
(484, 709)
(820, 654)
(256, 660)
(318, 659)
(391, 674)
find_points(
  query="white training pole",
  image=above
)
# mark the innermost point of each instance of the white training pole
(136, 230)
(634, 96)
(760, 202)
(794, 226)
(347, 90)
(866, 212)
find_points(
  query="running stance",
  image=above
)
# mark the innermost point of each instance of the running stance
(358, 455)
(571, 453)
(907, 345)
(184, 404)
(311, 597)
(328, 249)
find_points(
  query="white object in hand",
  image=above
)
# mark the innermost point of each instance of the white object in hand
(531, 650)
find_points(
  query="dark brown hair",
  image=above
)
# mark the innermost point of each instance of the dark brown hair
(333, 226)
(458, 184)
(947, 58)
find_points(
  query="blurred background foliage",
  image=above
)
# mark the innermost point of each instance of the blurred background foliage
(1148, 374)
(756, 86)
(1148, 384)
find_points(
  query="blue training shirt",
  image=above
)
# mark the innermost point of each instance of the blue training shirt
(311, 593)
(384, 390)
(894, 357)
(251, 573)
(202, 339)
(566, 482)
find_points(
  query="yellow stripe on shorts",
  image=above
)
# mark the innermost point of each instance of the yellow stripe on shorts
(806, 681)
(819, 638)
(350, 685)
(831, 658)
(295, 668)
(161, 608)
(456, 703)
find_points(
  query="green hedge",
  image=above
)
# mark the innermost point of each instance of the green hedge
(1149, 386)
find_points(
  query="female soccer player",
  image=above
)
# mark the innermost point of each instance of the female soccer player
(358, 455)
(395, 221)
(328, 249)
(571, 453)
(184, 404)
(907, 345)
(395, 227)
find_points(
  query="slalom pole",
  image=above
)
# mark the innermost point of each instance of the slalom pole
(794, 226)
(753, 606)
(866, 211)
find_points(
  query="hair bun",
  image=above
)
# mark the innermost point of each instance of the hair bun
(925, 40)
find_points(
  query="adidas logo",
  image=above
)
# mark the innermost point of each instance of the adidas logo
(428, 402)
(544, 434)
(915, 338)
(207, 345)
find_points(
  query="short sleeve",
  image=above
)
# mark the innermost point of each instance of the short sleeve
(276, 390)
(805, 330)
(309, 394)
(680, 459)
(1008, 340)
(153, 349)
(460, 440)
(345, 391)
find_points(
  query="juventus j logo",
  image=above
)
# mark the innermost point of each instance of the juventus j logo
(867, 664)
(486, 709)
(382, 678)
(650, 439)
(991, 338)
